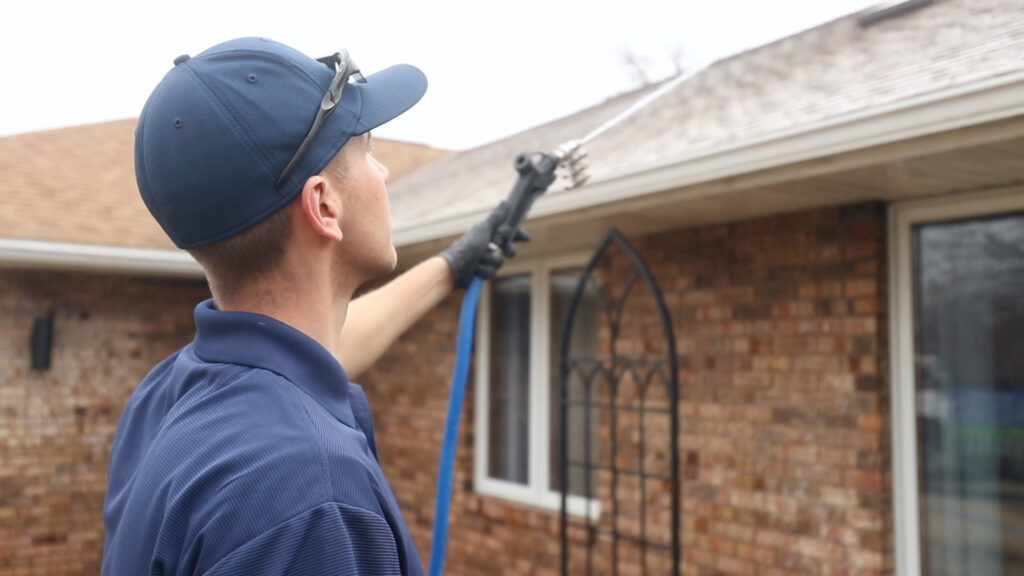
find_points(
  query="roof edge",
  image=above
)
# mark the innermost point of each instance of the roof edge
(961, 106)
(18, 252)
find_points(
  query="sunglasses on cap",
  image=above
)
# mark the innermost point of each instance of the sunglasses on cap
(344, 68)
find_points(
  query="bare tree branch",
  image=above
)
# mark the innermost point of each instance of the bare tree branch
(636, 66)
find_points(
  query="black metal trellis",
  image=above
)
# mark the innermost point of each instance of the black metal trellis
(633, 531)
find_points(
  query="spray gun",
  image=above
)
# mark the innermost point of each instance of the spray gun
(537, 171)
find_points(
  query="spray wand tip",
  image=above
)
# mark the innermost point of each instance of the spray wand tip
(573, 156)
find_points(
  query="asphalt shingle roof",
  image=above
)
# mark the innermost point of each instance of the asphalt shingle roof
(78, 185)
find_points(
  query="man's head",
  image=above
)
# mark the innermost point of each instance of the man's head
(231, 136)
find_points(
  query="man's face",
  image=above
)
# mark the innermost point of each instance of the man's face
(366, 212)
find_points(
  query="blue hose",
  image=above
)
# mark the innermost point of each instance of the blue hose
(463, 352)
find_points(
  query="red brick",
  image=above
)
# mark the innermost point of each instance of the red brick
(869, 480)
(866, 559)
(756, 554)
(860, 287)
(869, 421)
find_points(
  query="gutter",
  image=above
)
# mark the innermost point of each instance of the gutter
(16, 252)
(984, 101)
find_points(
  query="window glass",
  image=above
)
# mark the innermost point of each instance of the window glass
(969, 340)
(509, 380)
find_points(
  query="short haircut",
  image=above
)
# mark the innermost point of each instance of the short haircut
(245, 258)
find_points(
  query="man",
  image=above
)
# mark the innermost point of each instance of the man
(249, 451)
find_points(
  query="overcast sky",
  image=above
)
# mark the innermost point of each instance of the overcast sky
(495, 68)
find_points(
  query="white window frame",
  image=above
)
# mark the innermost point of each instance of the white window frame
(536, 491)
(902, 218)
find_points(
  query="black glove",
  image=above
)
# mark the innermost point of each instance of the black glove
(472, 254)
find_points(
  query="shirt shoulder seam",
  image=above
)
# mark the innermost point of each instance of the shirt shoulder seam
(325, 484)
(326, 502)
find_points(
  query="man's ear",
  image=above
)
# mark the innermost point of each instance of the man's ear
(321, 207)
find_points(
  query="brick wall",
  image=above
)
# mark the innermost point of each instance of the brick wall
(56, 426)
(780, 333)
(781, 343)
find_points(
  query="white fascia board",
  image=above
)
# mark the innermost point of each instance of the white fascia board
(17, 252)
(988, 100)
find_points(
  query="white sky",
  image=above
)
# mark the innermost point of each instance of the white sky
(495, 68)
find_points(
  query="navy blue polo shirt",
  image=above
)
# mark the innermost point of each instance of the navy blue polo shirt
(249, 452)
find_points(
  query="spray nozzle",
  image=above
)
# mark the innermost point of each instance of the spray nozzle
(573, 156)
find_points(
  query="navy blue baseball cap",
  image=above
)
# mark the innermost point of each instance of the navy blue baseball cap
(219, 130)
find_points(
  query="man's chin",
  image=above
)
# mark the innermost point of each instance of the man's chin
(392, 261)
(381, 273)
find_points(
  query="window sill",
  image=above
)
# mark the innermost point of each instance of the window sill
(548, 500)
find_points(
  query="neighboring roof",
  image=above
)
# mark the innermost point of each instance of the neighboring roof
(834, 70)
(77, 185)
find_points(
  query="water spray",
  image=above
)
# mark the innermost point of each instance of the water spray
(537, 171)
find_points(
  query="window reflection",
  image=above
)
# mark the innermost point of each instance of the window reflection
(969, 281)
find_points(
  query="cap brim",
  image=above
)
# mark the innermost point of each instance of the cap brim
(387, 94)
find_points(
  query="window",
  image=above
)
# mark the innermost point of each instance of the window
(521, 319)
(958, 385)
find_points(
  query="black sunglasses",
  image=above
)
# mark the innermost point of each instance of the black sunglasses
(344, 68)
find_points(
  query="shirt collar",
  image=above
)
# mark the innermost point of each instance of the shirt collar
(260, 341)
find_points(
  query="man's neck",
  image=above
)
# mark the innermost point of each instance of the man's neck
(314, 308)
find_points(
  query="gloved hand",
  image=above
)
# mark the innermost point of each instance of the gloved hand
(472, 255)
